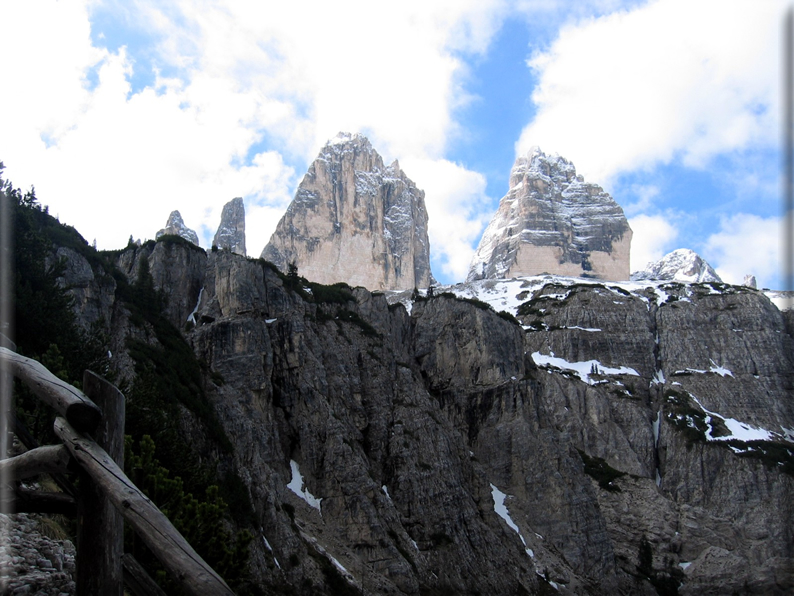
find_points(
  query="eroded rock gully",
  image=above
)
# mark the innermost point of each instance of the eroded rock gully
(409, 427)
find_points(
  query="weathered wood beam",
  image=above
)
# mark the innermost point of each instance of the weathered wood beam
(100, 527)
(68, 401)
(25, 500)
(137, 580)
(155, 529)
(6, 391)
(31, 443)
(51, 459)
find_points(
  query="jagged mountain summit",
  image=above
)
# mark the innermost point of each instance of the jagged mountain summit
(355, 220)
(593, 439)
(552, 221)
(231, 231)
(680, 265)
(176, 226)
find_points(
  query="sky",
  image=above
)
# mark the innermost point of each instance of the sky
(120, 111)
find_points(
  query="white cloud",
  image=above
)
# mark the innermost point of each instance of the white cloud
(747, 244)
(646, 197)
(670, 79)
(654, 236)
(248, 99)
(458, 210)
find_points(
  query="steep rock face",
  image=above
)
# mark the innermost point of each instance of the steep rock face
(551, 221)
(403, 507)
(177, 270)
(93, 290)
(719, 404)
(680, 265)
(612, 439)
(355, 220)
(231, 231)
(176, 226)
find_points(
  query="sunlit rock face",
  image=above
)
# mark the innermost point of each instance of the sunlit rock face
(552, 221)
(231, 231)
(175, 226)
(355, 220)
(681, 265)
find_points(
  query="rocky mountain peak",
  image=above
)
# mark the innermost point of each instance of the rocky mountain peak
(355, 220)
(231, 231)
(682, 264)
(552, 221)
(176, 226)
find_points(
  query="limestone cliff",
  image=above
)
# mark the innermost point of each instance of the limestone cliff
(680, 265)
(355, 220)
(552, 221)
(231, 231)
(596, 438)
(176, 227)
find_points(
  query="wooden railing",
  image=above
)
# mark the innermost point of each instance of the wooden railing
(91, 427)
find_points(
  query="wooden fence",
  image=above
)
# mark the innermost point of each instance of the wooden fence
(91, 427)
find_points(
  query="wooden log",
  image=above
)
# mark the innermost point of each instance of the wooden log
(158, 533)
(68, 401)
(137, 580)
(6, 391)
(31, 443)
(100, 527)
(25, 500)
(51, 459)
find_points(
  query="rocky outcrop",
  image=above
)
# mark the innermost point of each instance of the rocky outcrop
(631, 438)
(32, 559)
(355, 220)
(680, 265)
(551, 221)
(231, 231)
(92, 288)
(176, 227)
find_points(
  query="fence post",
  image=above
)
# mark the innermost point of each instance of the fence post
(100, 527)
(6, 405)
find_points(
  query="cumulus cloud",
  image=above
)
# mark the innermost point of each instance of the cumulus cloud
(747, 244)
(671, 79)
(250, 93)
(458, 209)
(654, 236)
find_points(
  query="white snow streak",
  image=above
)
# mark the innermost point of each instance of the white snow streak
(296, 486)
(739, 430)
(582, 369)
(191, 318)
(501, 509)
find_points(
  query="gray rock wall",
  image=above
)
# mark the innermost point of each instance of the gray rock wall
(408, 426)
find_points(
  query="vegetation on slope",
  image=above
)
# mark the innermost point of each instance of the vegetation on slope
(168, 377)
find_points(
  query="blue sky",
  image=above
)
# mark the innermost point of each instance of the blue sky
(124, 111)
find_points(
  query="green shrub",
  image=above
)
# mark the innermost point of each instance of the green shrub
(200, 521)
(600, 471)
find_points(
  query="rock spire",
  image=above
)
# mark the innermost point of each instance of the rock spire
(552, 221)
(176, 226)
(680, 265)
(355, 220)
(231, 232)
